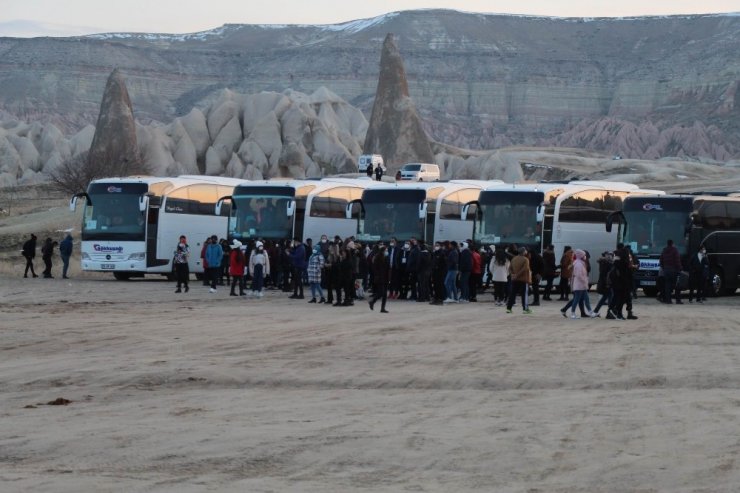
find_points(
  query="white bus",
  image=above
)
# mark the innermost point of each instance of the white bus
(426, 211)
(276, 210)
(537, 215)
(131, 226)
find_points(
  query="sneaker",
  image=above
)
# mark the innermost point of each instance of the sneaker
(449, 300)
(508, 310)
(312, 300)
(187, 288)
(527, 311)
(212, 290)
(593, 315)
(562, 312)
(536, 303)
(573, 315)
(178, 290)
(631, 317)
(610, 315)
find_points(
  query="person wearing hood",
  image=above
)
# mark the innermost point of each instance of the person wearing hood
(46, 253)
(698, 274)
(315, 269)
(236, 268)
(579, 284)
(213, 255)
(259, 267)
(65, 251)
(29, 253)
(566, 272)
(465, 267)
(180, 264)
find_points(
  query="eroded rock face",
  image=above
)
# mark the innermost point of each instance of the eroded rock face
(115, 131)
(395, 130)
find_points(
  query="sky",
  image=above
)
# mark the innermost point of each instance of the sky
(27, 18)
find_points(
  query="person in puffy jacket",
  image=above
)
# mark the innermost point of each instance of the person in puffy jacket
(298, 261)
(259, 268)
(65, 251)
(521, 278)
(566, 272)
(499, 275)
(315, 269)
(453, 262)
(236, 268)
(213, 255)
(579, 284)
(29, 252)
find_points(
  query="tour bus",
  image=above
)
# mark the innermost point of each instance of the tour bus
(426, 211)
(280, 209)
(131, 226)
(537, 215)
(691, 221)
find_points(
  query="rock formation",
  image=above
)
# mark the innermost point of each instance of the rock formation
(395, 130)
(114, 142)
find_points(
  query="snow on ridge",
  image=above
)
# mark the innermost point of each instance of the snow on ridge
(201, 35)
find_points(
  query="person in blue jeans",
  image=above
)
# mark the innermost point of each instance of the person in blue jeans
(465, 266)
(453, 262)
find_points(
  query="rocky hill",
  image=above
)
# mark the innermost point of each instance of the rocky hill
(640, 87)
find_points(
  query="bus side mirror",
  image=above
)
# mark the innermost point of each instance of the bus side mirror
(220, 203)
(540, 213)
(143, 203)
(290, 208)
(348, 211)
(422, 210)
(464, 212)
(73, 200)
(73, 203)
(609, 222)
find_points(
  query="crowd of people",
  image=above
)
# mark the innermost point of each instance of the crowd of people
(341, 271)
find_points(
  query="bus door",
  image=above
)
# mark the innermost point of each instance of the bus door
(152, 228)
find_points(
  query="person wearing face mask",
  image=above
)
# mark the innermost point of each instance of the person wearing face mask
(403, 262)
(698, 275)
(394, 263)
(412, 269)
(453, 264)
(380, 278)
(298, 260)
(180, 262)
(259, 267)
(424, 273)
(439, 271)
(465, 266)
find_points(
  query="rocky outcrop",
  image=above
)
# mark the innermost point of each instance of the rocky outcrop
(395, 130)
(114, 142)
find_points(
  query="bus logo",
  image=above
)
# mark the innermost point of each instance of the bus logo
(114, 189)
(107, 249)
(652, 207)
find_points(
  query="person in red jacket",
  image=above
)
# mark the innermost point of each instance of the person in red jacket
(476, 275)
(236, 268)
(203, 260)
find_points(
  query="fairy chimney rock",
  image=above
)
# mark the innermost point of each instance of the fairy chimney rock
(115, 133)
(395, 130)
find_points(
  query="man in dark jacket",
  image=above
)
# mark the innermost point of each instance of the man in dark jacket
(29, 252)
(537, 266)
(549, 269)
(439, 271)
(65, 251)
(298, 261)
(670, 261)
(424, 272)
(412, 269)
(453, 265)
(698, 274)
(465, 266)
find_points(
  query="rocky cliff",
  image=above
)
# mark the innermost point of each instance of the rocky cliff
(478, 81)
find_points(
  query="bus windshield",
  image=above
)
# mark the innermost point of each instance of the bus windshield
(113, 214)
(509, 217)
(652, 221)
(261, 215)
(391, 213)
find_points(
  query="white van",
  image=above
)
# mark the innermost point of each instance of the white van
(420, 172)
(370, 160)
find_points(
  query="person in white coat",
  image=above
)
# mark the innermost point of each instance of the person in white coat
(259, 267)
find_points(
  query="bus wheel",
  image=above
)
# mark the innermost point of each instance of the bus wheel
(122, 276)
(716, 282)
(650, 292)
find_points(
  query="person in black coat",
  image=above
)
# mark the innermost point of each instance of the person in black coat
(380, 278)
(537, 266)
(698, 275)
(29, 253)
(412, 269)
(46, 252)
(439, 272)
(424, 272)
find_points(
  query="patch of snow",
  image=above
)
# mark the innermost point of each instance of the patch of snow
(681, 177)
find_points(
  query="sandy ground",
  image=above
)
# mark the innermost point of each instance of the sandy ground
(199, 392)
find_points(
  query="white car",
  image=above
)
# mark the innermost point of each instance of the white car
(420, 172)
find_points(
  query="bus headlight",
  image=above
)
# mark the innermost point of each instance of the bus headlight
(137, 256)
(85, 256)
